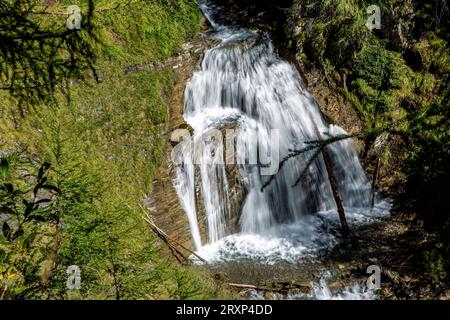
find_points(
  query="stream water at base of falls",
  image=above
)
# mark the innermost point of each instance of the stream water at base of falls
(243, 82)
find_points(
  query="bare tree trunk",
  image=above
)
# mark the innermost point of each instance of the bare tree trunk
(170, 242)
(114, 274)
(48, 265)
(333, 184)
(336, 195)
(368, 144)
(374, 181)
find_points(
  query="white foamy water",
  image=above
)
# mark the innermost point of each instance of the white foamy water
(321, 291)
(243, 81)
(292, 243)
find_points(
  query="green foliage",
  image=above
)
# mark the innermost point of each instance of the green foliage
(4, 166)
(428, 159)
(436, 263)
(433, 15)
(334, 30)
(381, 81)
(195, 284)
(103, 146)
(27, 209)
(397, 80)
(382, 86)
(147, 29)
(434, 53)
(39, 54)
(437, 257)
(376, 66)
(184, 288)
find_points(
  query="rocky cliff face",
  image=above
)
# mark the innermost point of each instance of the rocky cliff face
(163, 202)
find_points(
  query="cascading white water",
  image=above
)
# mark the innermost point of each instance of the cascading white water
(243, 81)
(322, 291)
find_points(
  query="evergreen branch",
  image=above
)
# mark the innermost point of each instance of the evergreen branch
(312, 144)
(61, 12)
(310, 162)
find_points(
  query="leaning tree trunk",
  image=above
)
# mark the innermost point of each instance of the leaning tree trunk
(336, 195)
(333, 183)
(374, 181)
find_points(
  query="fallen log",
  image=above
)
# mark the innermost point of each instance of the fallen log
(246, 286)
(274, 287)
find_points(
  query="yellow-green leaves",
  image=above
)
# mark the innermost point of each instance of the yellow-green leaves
(4, 168)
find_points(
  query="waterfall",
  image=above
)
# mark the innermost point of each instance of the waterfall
(242, 81)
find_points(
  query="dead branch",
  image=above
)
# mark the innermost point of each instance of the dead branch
(171, 243)
(274, 287)
(374, 181)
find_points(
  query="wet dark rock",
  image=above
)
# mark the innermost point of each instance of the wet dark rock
(237, 190)
(163, 202)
